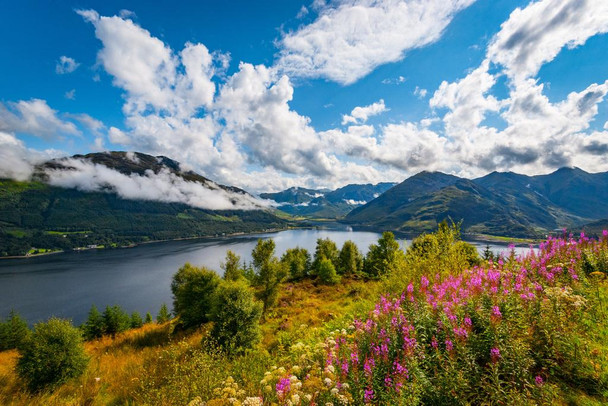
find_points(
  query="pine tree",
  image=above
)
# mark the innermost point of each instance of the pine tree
(148, 318)
(94, 326)
(136, 320)
(163, 315)
(13, 332)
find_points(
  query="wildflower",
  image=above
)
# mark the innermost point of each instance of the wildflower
(495, 354)
(327, 381)
(283, 386)
(334, 391)
(539, 379)
(496, 311)
(369, 395)
(449, 345)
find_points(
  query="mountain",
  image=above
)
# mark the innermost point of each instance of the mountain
(505, 204)
(43, 215)
(323, 203)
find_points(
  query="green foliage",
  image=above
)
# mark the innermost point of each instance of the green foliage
(163, 315)
(236, 316)
(327, 272)
(269, 272)
(148, 318)
(232, 268)
(325, 249)
(441, 252)
(115, 320)
(52, 355)
(94, 326)
(297, 261)
(13, 332)
(384, 258)
(136, 320)
(350, 260)
(193, 290)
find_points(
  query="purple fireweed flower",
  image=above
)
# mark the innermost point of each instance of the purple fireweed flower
(605, 234)
(367, 366)
(369, 395)
(539, 380)
(354, 358)
(495, 354)
(468, 322)
(424, 282)
(496, 311)
(449, 345)
(283, 386)
(434, 343)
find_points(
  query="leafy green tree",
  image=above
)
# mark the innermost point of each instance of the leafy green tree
(115, 320)
(94, 326)
(13, 332)
(297, 261)
(148, 318)
(193, 290)
(325, 249)
(236, 316)
(269, 272)
(52, 355)
(163, 315)
(350, 260)
(136, 320)
(327, 272)
(385, 257)
(231, 267)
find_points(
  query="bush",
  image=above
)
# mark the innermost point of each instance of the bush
(325, 249)
(52, 355)
(193, 290)
(350, 260)
(136, 320)
(13, 332)
(385, 257)
(236, 317)
(327, 272)
(297, 261)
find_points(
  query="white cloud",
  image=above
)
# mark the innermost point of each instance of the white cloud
(66, 65)
(536, 34)
(361, 114)
(14, 158)
(34, 117)
(163, 186)
(420, 92)
(70, 94)
(302, 13)
(394, 81)
(349, 39)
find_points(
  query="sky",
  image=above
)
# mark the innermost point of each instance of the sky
(267, 95)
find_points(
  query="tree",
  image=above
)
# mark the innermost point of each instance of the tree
(136, 320)
(385, 257)
(269, 272)
(232, 269)
(327, 249)
(327, 272)
(193, 290)
(236, 316)
(350, 260)
(148, 318)
(297, 261)
(163, 315)
(94, 326)
(52, 355)
(115, 320)
(13, 332)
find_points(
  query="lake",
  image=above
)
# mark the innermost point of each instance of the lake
(138, 279)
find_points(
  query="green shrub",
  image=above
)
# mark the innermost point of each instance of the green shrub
(231, 267)
(297, 261)
(13, 332)
(385, 257)
(269, 272)
(136, 320)
(236, 316)
(327, 272)
(115, 320)
(350, 260)
(193, 290)
(325, 249)
(52, 355)
(163, 315)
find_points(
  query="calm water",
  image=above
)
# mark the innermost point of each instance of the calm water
(138, 279)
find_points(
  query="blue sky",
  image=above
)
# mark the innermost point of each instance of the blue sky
(271, 94)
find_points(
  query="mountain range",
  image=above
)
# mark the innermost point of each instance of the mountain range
(500, 203)
(117, 199)
(325, 203)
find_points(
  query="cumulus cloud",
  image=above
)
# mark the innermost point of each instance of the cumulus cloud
(351, 38)
(70, 94)
(15, 158)
(164, 186)
(65, 65)
(361, 114)
(34, 117)
(536, 34)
